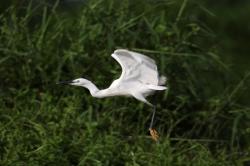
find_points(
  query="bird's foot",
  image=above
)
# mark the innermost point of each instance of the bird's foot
(154, 134)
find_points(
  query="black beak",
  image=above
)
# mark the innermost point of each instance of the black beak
(64, 82)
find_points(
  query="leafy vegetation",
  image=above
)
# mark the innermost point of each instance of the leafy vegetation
(200, 118)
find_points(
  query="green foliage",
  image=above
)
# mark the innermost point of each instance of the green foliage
(199, 118)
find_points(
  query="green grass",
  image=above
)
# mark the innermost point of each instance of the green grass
(200, 119)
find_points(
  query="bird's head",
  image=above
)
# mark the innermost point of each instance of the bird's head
(77, 82)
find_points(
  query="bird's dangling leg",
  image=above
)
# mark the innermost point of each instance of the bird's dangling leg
(153, 117)
(154, 134)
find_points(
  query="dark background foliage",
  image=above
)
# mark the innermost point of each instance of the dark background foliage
(202, 48)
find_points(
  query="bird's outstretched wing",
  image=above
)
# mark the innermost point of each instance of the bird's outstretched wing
(136, 67)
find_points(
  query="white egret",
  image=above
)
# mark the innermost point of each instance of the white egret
(139, 79)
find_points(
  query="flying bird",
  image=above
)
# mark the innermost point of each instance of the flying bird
(139, 79)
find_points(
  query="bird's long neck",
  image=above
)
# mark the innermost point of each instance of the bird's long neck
(95, 92)
(92, 88)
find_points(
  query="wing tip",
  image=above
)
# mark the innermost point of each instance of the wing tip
(133, 53)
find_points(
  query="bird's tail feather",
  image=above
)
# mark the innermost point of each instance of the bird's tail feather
(162, 80)
(156, 87)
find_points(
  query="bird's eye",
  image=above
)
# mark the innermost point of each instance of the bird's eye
(76, 81)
